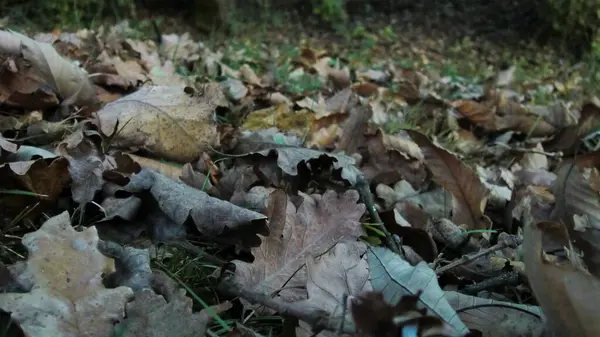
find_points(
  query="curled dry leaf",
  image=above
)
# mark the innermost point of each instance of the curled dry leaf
(567, 140)
(289, 157)
(212, 217)
(37, 67)
(297, 233)
(64, 273)
(165, 120)
(469, 193)
(86, 165)
(567, 293)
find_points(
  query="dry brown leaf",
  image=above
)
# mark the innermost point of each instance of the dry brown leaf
(64, 274)
(39, 67)
(339, 274)
(44, 177)
(578, 206)
(499, 113)
(297, 233)
(568, 295)
(166, 121)
(469, 193)
(366, 89)
(388, 159)
(166, 169)
(567, 140)
(249, 76)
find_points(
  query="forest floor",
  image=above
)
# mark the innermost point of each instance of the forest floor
(458, 127)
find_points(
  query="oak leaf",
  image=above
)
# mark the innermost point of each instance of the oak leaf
(64, 273)
(297, 233)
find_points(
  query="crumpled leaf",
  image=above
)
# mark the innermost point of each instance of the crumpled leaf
(469, 193)
(132, 266)
(86, 165)
(169, 121)
(340, 272)
(395, 278)
(567, 293)
(38, 67)
(212, 217)
(497, 318)
(296, 233)
(64, 273)
(151, 315)
(288, 157)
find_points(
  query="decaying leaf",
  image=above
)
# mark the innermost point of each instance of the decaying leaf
(212, 217)
(469, 193)
(296, 233)
(38, 68)
(289, 157)
(339, 274)
(42, 180)
(64, 274)
(151, 315)
(165, 120)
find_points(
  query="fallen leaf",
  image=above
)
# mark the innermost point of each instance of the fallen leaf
(577, 206)
(164, 120)
(296, 234)
(212, 217)
(67, 297)
(567, 294)
(395, 278)
(40, 183)
(339, 274)
(469, 193)
(151, 315)
(497, 318)
(41, 67)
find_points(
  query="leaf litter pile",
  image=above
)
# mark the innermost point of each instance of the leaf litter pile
(385, 201)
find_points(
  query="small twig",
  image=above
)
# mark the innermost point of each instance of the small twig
(318, 319)
(468, 258)
(526, 150)
(508, 278)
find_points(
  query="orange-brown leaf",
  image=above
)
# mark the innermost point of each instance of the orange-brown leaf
(469, 193)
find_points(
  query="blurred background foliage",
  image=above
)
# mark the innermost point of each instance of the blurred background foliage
(572, 25)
